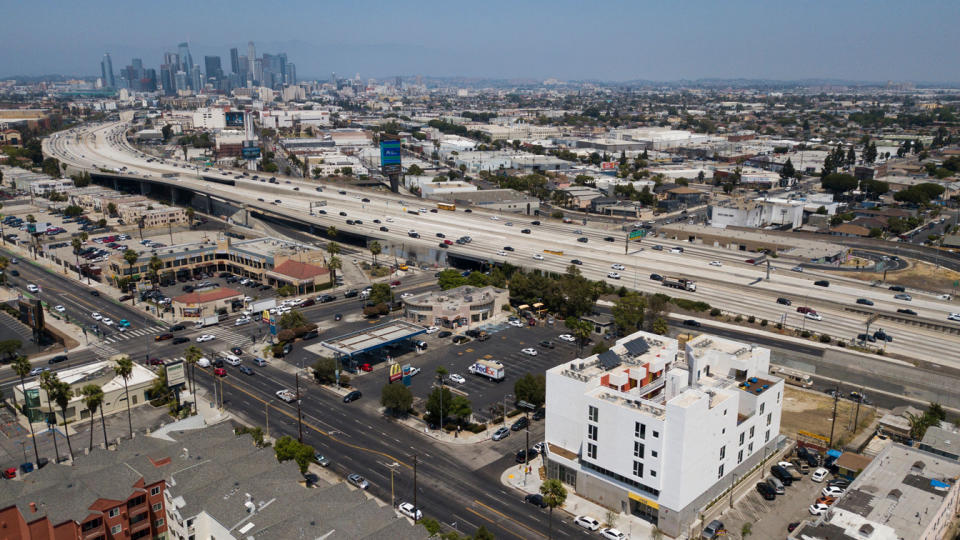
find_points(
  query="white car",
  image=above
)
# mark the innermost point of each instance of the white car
(389, 220)
(944, 297)
(831, 491)
(613, 275)
(96, 316)
(407, 295)
(494, 218)
(457, 378)
(618, 267)
(813, 315)
(206, 337)
(953, 317)
(107, 321)
(819, 475)
(410, 511)
(33, 288)
(517, 324)
(203, 362)
(818, 508)
(529, 351)
(501, 253)
(587, 522)
(676, 250)
(612, 534)
(242, 321)
(538, 257)
(566, 337)
(716, 263)
(432, 329)
(248, 299)
(59, 308)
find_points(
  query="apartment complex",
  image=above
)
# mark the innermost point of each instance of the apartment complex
(644, 429)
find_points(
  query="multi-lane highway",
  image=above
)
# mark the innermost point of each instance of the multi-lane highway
(734, 285)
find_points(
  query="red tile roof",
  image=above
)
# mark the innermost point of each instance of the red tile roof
(299, 270)
(207, 296)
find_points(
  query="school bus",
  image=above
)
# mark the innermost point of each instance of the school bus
(447, 206)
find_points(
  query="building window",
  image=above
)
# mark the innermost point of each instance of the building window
(750, 448)
(592, 432)
(92, 524)
(158, 523)
(155, 490)
(720, 471)
(591, 451)
(637, 468)
(592, 413)
(751, 432)
(653, 472)
(156, 507)
(742, 435)
(638, 450)
(723, 451)
(640, 430)
(740, 456)
(116, 529)
(114, 512)
(136, 501)
(656, 434)
(761, 407)
(766, 437)
(653, 453)
(778, 397)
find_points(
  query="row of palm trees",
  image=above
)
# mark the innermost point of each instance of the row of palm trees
(61, 393)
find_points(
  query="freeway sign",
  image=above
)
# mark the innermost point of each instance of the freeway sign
(639, 233)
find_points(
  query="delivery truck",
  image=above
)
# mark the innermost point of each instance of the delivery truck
(209, 320)
(490, 369)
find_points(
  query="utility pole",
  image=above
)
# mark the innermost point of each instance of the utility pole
(299, 416)
(833, 423)
(856, 417)
(266, 407)
(414, 488)
(526, 451)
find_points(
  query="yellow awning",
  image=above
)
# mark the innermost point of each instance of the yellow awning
(643, 500)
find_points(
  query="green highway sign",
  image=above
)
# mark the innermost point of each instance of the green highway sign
(639, 233)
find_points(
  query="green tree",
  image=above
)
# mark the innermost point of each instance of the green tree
(331, 233)
(381, 293)
(131, 257)
(292, 319)
(531, 388)
(287, 448)
(51, 167)
(554, 495)
(660, 326)
(628, 312)
(440, 397)
(396, 398)
(92, 400)
(9, 348)
(375, 250)
(325, 370)
(483, 534)
(460, 408)
(62, 394)
(111, 209)
(191, 214)
(49, 382)
(166, 131)
(450, 279)
(124, 370)
(334, 264)
(580, 329)
(838, 183)
(851, 157)
(414, 170)
(77, 245)
(21, 366)
(192, 355)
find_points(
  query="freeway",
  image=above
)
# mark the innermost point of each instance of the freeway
(731, 284)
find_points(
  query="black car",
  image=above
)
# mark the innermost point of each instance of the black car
(535, 498)
(352, 396)
(343, 213)
(95, 293)
(326, 298)
(656, 277)
(523, 458)
(508, 248)
(177, 328)
(57, 359)
(822, 283)
(218, 362)
(864, 301)
(467, 210)
(337, 317)
(781, 474)
(459, 340)
(520, 424)
(883, 336)
(866, 337)
(766, 491)
(609, 239)
(906, 311)
(897, 288)
(365, 199)
(691, 322)
(784, 301)
(351, 293)
(535, 222)
(444, 334)
(179, 340)
(442, 245)
(384, 229)
(547, 344)
(540, 414)
(582, 239)
(577, 262)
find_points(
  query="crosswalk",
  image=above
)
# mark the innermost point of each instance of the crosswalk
(135, 333)
(103, 350)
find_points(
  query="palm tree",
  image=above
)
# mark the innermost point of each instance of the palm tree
(93, 399)
(554, 494)
(375, 249)
(77, 244)
(192, 355)
(21, 366)
(124, 368)
(131, 257)
(62, 394)
(333, 248)
(333, 265)
(580, 329)
(332, 231)
(49, 380)
(4, 263)
(155, 265)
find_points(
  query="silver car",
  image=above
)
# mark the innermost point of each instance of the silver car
(358, 481)
(501, 433)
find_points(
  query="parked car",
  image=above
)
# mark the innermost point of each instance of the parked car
(410, 511)
(766, 491)
(612, 534)
(832, 491)
(819, 474)
(816, 509)
(520, 424)
(358, 481)
(457, 378)
(713, 530)
(536, 499)
(587, 522)
(500, 434)
(352, 396)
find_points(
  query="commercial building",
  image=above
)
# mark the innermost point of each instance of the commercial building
(642, 429)
(461, 307)
(209, 118)
(505, 200)
(904, 492)
(203, 303)
(10, 137)
(757, 213)
(37, 406)
(152, 214)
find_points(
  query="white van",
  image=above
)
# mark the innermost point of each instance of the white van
(231, 359)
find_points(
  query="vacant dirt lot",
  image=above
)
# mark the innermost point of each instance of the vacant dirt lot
(813, 411)
(919, 275)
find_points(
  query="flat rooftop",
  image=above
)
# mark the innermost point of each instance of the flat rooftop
(452, 298)
(369, 339)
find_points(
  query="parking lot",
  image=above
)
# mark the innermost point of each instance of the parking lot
(505, 345)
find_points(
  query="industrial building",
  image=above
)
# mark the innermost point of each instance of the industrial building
(644, 430)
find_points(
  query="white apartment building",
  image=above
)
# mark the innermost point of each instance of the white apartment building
(641, 429)
(209, 118)
(757, 213)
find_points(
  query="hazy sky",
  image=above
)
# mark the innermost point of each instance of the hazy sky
(874, 40)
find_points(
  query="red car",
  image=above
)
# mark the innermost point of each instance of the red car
(395, 283)
(750, 261)
(156, 362)
(366, 367)
(220, 372)
(448, 242)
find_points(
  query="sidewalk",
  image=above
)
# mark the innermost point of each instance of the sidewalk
(575, 505)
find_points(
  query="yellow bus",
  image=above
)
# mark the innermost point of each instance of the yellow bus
(793, 376)
(447, 206)
(552, 252)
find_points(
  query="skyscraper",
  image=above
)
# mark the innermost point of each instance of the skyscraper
(106, 69)
(196, 79)
(251, 57)
(234, 61)
(186, 61)
(167, 79)
(213, 69)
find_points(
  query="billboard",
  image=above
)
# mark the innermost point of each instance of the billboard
(250, 150)
(37, 228)
(233, 118)
(609, 166)
(390, 156)
(176, 375)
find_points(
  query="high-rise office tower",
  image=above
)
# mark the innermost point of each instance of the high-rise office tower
(106, 69)
(180, 80)
(234, 61)
(251, 57)
(291, 73)
(186, 60)
(258, 71)
(212, 66)
(196, 79)
(167, 80)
